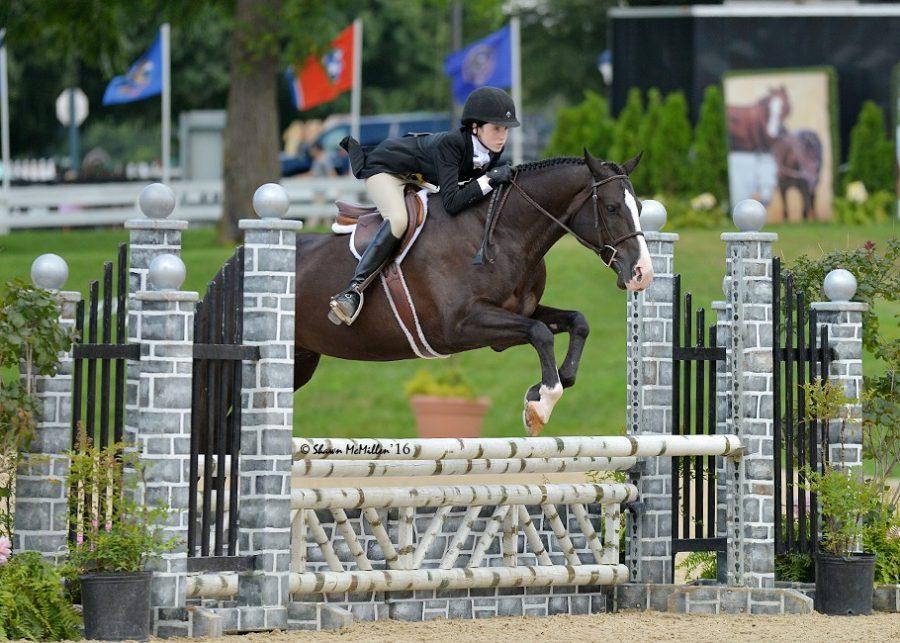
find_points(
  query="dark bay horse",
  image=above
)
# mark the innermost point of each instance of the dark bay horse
(798, 156)
(753, 128)
(462, 306)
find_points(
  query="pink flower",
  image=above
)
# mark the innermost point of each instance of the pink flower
(5, 549)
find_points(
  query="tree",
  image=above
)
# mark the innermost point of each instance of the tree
(709, 155)
(626, 142)
(670, 146)
(645, 176)
(871, 156)
(587, 124)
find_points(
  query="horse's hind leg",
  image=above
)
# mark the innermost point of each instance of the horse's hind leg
(566, 321)
(305, 363)
(488, 325)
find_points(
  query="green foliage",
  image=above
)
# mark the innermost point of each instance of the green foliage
(644, 176)
(710, 149)
(699, 565)
(682, 214)
(669, 146)
(879, 206)
(448, 382)
(795, 568)
(882, 538)
(871, 156)
(119, 533)
(32, 603)
(846, 503)
(31, 339)
(626, 141)
(587, 124)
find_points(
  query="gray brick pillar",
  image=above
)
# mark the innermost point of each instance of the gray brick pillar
(152, 236)
(722, 383)
(159, 431)
(268, 410)
(748, 288)
(41, 516)
(649, 407)
(843, 318)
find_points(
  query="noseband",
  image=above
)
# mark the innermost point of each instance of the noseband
(599, 222)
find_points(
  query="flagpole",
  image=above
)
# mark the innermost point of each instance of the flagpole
(356, 91)
(166, 100)
(4, 131)
(516, 64)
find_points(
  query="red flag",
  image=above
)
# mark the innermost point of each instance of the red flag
(324, 78)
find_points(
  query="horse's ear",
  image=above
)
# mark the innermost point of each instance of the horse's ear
(629, 166)
(594, 165)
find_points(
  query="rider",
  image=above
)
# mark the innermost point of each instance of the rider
(461, 162)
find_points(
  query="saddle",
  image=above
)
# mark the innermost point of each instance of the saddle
(361, 222)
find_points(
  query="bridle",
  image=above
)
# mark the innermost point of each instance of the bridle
(599, 222)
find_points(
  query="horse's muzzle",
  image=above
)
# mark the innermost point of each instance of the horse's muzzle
(641, 276)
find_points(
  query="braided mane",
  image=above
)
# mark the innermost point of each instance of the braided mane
(562, 160)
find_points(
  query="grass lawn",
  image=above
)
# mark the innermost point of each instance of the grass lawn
(357, 399)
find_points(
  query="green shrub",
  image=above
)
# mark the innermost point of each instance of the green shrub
(447, 383)
(795, 568)
(699, 565)
(587, 124)
(871, 156)
(879, 206)
(882, 538)
(644, 177)
(32, 603)
(709, 153)
(626, 142)
(669, 147)
(682, 215)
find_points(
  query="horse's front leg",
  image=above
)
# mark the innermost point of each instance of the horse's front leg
(566, 321)
(487, 325)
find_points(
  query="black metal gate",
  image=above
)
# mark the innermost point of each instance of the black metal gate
(695, 356)
(800, 355)
(216, 419)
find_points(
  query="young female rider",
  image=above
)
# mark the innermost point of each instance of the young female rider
(462, 163)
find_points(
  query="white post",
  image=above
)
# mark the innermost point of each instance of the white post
(516, 64)
(356, 91)
(166, 100)
(4, 133)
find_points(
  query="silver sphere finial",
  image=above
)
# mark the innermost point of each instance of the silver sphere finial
(839, 285)
(653, 215)
(749, 215)
(271, 201)
(157, 201)
(49, 272)
(167, 272)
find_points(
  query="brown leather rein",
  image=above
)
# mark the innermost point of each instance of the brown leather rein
(599, 222)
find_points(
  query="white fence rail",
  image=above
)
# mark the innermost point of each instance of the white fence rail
(109, 204)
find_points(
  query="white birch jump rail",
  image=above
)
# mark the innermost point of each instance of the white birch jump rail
(372, 539)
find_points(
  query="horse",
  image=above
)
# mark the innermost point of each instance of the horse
(462, 306)
(753, 128)
(798, 156)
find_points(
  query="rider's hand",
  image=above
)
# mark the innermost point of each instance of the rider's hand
(500, 175)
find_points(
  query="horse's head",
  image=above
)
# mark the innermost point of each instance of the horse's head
(611, 215)
(778, 107)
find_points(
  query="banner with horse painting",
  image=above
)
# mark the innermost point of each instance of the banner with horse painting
(782, 140)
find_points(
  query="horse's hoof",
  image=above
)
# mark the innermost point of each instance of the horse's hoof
(532, 419)
(334, 319)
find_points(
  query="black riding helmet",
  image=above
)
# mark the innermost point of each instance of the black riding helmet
(489, 105)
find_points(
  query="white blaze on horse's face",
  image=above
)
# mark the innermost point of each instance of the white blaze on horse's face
(774, 124)
(643, 268)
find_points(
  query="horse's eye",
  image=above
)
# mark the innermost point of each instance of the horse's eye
(611, 209)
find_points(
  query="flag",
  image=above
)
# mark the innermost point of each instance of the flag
(143, 80)
(324, 78)
(485, 62)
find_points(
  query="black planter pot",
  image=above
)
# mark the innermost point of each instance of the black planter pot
(844, 585)
(116, 606)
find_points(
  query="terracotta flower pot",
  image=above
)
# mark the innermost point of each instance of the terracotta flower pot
(449, 417)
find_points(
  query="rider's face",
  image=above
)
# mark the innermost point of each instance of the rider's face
(492, 136)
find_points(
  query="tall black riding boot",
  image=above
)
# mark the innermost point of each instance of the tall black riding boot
(346, 305)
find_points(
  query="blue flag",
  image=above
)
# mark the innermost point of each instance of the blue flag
(485, 62)
(143, 80)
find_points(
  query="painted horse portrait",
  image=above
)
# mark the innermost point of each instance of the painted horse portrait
(753, 128)
(798, 157)
(462, 306)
